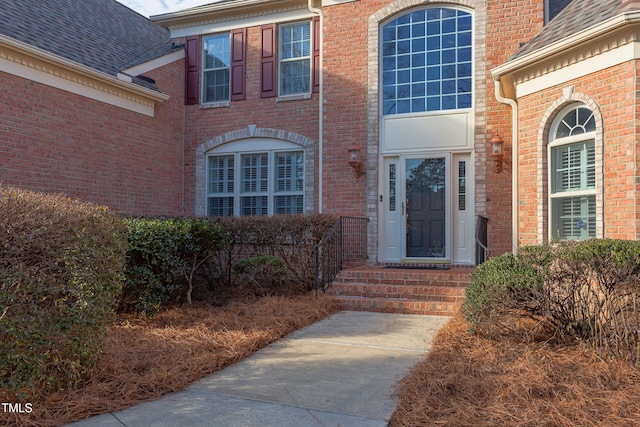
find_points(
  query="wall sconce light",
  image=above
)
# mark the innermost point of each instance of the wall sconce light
(495, 152)
(354, 160)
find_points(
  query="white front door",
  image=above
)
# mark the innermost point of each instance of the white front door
(427, 209)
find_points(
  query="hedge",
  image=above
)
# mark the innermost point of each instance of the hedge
(161, 250)
(60, 273)
(588, 290)
(256, 255)
(289, 240)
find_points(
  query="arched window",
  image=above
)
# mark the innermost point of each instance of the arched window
(427, 61)
(572, 174)
(245, 180)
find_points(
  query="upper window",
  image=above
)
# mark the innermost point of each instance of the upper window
(295, 58)
(573, 175)
(553, 7)
(290, 59)
(216, 67)
(427, 61)
(255, 183)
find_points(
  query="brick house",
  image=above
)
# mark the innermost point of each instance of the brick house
(384, 109)
(90, 106)
(574, 100)
(285, 91)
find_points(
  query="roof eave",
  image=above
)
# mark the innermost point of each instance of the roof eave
(81, 69)
(504, 73)
(155, 63)
(165, 20)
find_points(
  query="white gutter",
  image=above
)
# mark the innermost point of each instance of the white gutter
(514, 165)
(321, 106)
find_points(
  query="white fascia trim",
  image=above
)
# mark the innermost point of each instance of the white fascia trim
(214, 7)
(26, 61)
(242, 22)
(588, 66)
(334, 2)
(582, 37)
(154, 64)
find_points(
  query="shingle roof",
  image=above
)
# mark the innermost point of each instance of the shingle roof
(102, 34)
(577, 16)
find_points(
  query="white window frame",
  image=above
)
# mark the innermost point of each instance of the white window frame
(272, 193)
(282, 28)
(226, 68)
(418, 88)
(553, 195)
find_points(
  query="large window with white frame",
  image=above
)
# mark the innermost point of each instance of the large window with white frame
(572, 174)
(294, 58)
(255, 183)
(216, 65)
(427, 61)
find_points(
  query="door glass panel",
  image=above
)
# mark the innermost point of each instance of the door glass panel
(462, 186)
(426, 212)
(392, 187)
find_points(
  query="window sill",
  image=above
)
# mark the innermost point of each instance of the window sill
(220, 104)
(297, 97)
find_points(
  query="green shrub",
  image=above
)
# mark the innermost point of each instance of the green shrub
(60, 274)
(160, 249)
(262, 274)
(201, 239)
(498, 286)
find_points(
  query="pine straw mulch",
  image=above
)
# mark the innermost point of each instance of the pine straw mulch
(145, 358)
(468, 380)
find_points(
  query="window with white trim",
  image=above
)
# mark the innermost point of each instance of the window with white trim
(572, 175)
(294, 58)
(427, 61)
(269, 182)
(216, 66)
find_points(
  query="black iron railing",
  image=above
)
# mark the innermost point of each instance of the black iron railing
(482, 251)
(346, 243)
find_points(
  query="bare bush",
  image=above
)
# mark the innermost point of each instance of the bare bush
(589, 291)
(291, 238)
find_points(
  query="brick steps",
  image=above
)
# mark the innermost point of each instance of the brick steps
(411, 291)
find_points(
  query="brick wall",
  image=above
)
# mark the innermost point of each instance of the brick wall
(351, 74)
(350, 111)
(55, 141)
(508, 24)
(205, 124)
(345, 107)
(606, 92)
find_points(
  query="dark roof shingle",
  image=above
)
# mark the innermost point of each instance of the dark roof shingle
(577, 16)
(101, 34)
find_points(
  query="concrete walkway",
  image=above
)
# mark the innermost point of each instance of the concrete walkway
(336, 372)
